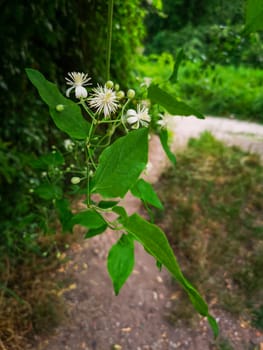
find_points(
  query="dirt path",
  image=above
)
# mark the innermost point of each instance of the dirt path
(135, 320)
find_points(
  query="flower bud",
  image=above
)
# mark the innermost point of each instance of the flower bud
(69, 145)
(117, 87)
(120, 94)
(75, 180)
(60, 108)
(109, 84)
(131, 94)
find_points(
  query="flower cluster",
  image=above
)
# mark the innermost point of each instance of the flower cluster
(108, 100)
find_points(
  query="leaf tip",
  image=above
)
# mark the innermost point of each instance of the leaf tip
(214, 325)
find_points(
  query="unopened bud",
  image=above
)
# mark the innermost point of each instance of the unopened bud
(60, 108)
(120, 94)
(69, 145)
(131, 94)
(109, 84)
(117, 87)
(75, 180)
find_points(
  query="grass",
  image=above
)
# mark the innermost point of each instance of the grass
(214, 221)
(217, 90)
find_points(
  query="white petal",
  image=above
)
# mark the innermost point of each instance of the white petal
(132, 120)
(81, 92)
(68, 91)
(131, 112)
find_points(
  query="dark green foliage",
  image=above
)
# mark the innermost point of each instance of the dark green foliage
(211, 44)
(54, 37)
(214, 90)
(209, 31)
(180, 13)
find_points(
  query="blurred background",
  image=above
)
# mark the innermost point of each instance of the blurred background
(220, 74)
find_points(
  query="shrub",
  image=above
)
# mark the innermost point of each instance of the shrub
(217, 90)
(210, 44)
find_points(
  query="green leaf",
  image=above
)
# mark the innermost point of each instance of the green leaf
(53, 159)
(48, 191)
(179, 57)
(171, 104)
(163, 135)
(121, 164)
(88, 218)
(95, 231)
(146, 193)
(159, 265)
(155, 242)
(213, 324)
(254, 16)
(107, 204)
(120, 211)
(65, 214)
(121, 261)
(158, 4)
(69, 119)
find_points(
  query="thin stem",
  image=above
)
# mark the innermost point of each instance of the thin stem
(109, 37)
(91, 159)
(90, 113)
(108, 121)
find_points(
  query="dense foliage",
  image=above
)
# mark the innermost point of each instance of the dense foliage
(209, 31)
(217, 90)
(55, 37)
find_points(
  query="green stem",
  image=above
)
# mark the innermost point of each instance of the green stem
(90, 113)
(109, 37)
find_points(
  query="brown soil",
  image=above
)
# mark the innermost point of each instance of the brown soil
(136, 319)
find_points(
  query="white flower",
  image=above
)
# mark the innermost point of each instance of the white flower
(78, 81)
(146, 82)
(139, 117)
(104, 99)
(164, 120)
(69, 145)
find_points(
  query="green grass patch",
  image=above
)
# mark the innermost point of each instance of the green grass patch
(214, 220)
(217, 90)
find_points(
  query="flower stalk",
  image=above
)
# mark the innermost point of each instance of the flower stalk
(109, 38)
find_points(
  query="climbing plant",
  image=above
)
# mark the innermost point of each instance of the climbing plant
(108, 165)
